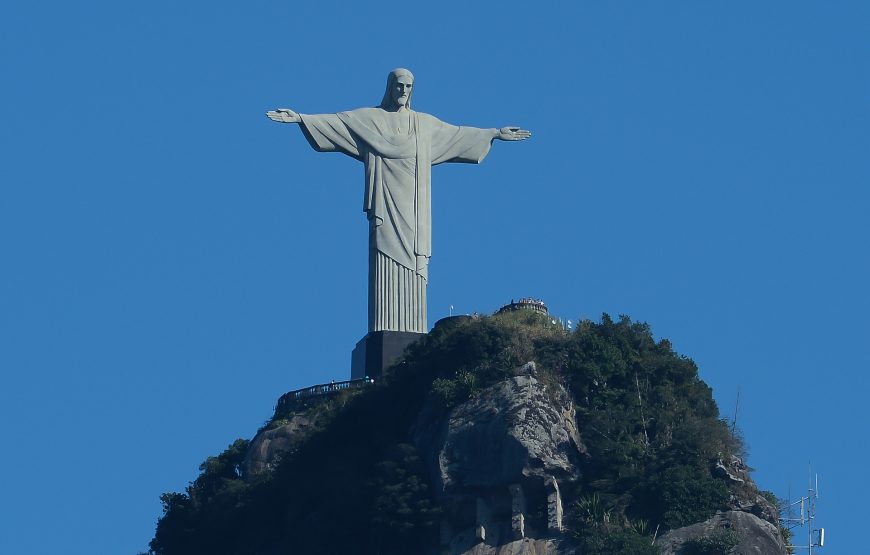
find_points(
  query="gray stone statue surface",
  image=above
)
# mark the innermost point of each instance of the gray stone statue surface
(398, 146)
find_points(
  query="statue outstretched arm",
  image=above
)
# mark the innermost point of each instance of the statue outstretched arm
(464, 144)
(324, 132)
(284, 115)
(511, 133)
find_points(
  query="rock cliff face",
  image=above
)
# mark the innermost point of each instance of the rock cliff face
(498, 459)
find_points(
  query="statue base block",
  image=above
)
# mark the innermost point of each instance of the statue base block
(375, 352)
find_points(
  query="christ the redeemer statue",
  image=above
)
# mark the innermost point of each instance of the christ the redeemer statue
(398, 147)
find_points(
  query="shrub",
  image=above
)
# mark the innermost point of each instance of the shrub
(720, 542)
(615, 541)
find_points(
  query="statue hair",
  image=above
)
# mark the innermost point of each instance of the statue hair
(394, 75)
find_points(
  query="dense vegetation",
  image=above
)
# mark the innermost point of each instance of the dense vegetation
(649, 424)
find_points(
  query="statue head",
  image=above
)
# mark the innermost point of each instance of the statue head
(400, 83)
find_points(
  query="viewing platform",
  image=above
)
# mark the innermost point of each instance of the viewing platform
(287, 401)
(527, 303)
(292, 399)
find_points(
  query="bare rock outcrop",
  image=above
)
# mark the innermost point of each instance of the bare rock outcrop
(746, 497)
(498, 459)
(523, 547)
(756, 536)
(269, 445)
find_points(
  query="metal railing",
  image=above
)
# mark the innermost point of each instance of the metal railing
(286, 401)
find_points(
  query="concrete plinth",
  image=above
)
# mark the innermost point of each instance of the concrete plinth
(375, 352)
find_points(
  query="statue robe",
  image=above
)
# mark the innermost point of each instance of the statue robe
(397, 198)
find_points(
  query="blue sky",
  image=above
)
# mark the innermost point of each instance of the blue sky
(171, 261)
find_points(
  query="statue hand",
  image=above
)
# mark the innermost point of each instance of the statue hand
(284, 115)
(513, 134)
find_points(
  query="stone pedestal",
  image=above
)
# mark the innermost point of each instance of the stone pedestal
(375, 352)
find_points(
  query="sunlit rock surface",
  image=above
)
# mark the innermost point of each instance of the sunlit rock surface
(757, 536)
(498, 459)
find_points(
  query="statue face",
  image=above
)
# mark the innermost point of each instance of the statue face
(401, 92)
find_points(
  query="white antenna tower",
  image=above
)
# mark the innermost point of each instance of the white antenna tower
(806, 516)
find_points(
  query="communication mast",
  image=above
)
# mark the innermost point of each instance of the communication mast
(806, 517)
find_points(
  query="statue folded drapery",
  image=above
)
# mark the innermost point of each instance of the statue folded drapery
(397, 198)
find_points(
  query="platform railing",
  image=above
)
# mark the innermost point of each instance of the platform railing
(291, 397)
